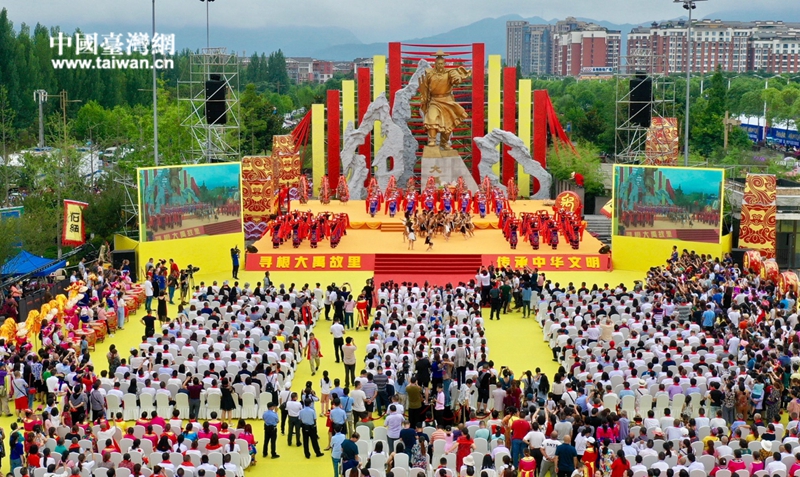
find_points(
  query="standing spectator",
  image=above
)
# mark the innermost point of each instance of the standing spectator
(349, 360)
(270, 418)
(566, 458)
(337, 330)
(308, 419)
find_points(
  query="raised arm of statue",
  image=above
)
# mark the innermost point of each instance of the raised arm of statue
(458, 75)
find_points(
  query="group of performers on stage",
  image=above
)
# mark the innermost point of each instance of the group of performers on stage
(540, 225)
(299, 226)
(173, 216)
(428, 224)
(458, 199)
(646, 215)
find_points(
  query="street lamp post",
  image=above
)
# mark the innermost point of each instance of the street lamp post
(208, 31)
(688, 5)
(155, 94)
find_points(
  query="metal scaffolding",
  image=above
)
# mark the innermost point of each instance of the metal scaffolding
(630, 137)
(212, 142)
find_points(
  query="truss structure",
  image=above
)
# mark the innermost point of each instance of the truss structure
(631, 138)
(212, 142)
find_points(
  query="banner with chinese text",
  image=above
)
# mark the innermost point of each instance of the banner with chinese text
(308, 261)
(759, 214)
(548, 262)
(73, 230)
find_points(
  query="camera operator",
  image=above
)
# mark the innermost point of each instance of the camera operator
(184, 284)
(235, 261)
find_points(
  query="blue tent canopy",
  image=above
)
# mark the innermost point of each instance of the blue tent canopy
(26, 263)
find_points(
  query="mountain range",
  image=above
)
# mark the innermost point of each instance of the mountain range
(335, 43)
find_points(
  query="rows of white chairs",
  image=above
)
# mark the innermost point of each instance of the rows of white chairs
(251, 407)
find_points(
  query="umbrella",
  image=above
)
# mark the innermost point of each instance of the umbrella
(608, 208)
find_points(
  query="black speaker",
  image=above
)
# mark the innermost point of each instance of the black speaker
(215, 100)
(117, 256)
(641, 100)
(737, 254)
(252, 249)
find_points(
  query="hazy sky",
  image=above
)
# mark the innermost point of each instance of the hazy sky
(369, 20)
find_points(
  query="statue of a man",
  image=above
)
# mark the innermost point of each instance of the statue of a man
(440, 112)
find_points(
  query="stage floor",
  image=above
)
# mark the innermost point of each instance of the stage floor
(366, 243)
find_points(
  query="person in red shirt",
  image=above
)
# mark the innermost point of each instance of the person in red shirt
(519, 429)
(620, 466)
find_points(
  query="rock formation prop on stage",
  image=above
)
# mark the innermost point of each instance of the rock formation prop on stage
(491, 156)
(401, 115)
(353, 164)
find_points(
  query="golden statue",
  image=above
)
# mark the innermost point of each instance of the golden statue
(440, 112)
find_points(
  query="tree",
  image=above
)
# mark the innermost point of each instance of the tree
(7, 116)
(277, 76)
(260, 121)
(584, 160)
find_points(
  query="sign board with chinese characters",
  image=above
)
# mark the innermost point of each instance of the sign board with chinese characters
(73, 230)
(308, 261)
(551, 262)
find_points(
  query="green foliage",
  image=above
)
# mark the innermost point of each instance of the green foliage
(585, 160)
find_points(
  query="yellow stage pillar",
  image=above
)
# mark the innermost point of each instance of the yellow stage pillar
(318, 145)
(378, 87)
(348, 104)
(524, 131)
(495, 103)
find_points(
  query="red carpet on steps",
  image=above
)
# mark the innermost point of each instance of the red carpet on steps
(421, 279)
(438, 269)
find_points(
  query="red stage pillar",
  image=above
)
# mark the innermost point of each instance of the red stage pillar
(509, 119)
(334, 133)
(363, 103)
(540, 99)
(478, 104)
(395, 71)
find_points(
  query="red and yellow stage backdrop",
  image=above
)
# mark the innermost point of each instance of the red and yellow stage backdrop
(258, 190)
(759, 214)
(287, 162)
(661, 148)
(262, 177)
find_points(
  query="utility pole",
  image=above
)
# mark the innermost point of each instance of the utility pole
(155, 94)
(40, 96)
(64, 97)
(688, 5)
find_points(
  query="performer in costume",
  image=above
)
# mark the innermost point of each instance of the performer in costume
(480, 204)
(391, 203)
(342, 191)
(325, 191)
(446, 202)
(464, 201)
(303, 189)
(373, 203)
(512, 238)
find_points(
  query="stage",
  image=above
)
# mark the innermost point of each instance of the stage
(376, 244)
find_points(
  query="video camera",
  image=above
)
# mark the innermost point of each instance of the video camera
(190, 270)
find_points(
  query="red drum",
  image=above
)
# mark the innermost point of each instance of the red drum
(753, 260)
(770, 270)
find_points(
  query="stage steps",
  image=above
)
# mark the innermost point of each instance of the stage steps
(600, 227)
(427, 263)
(396, 227)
